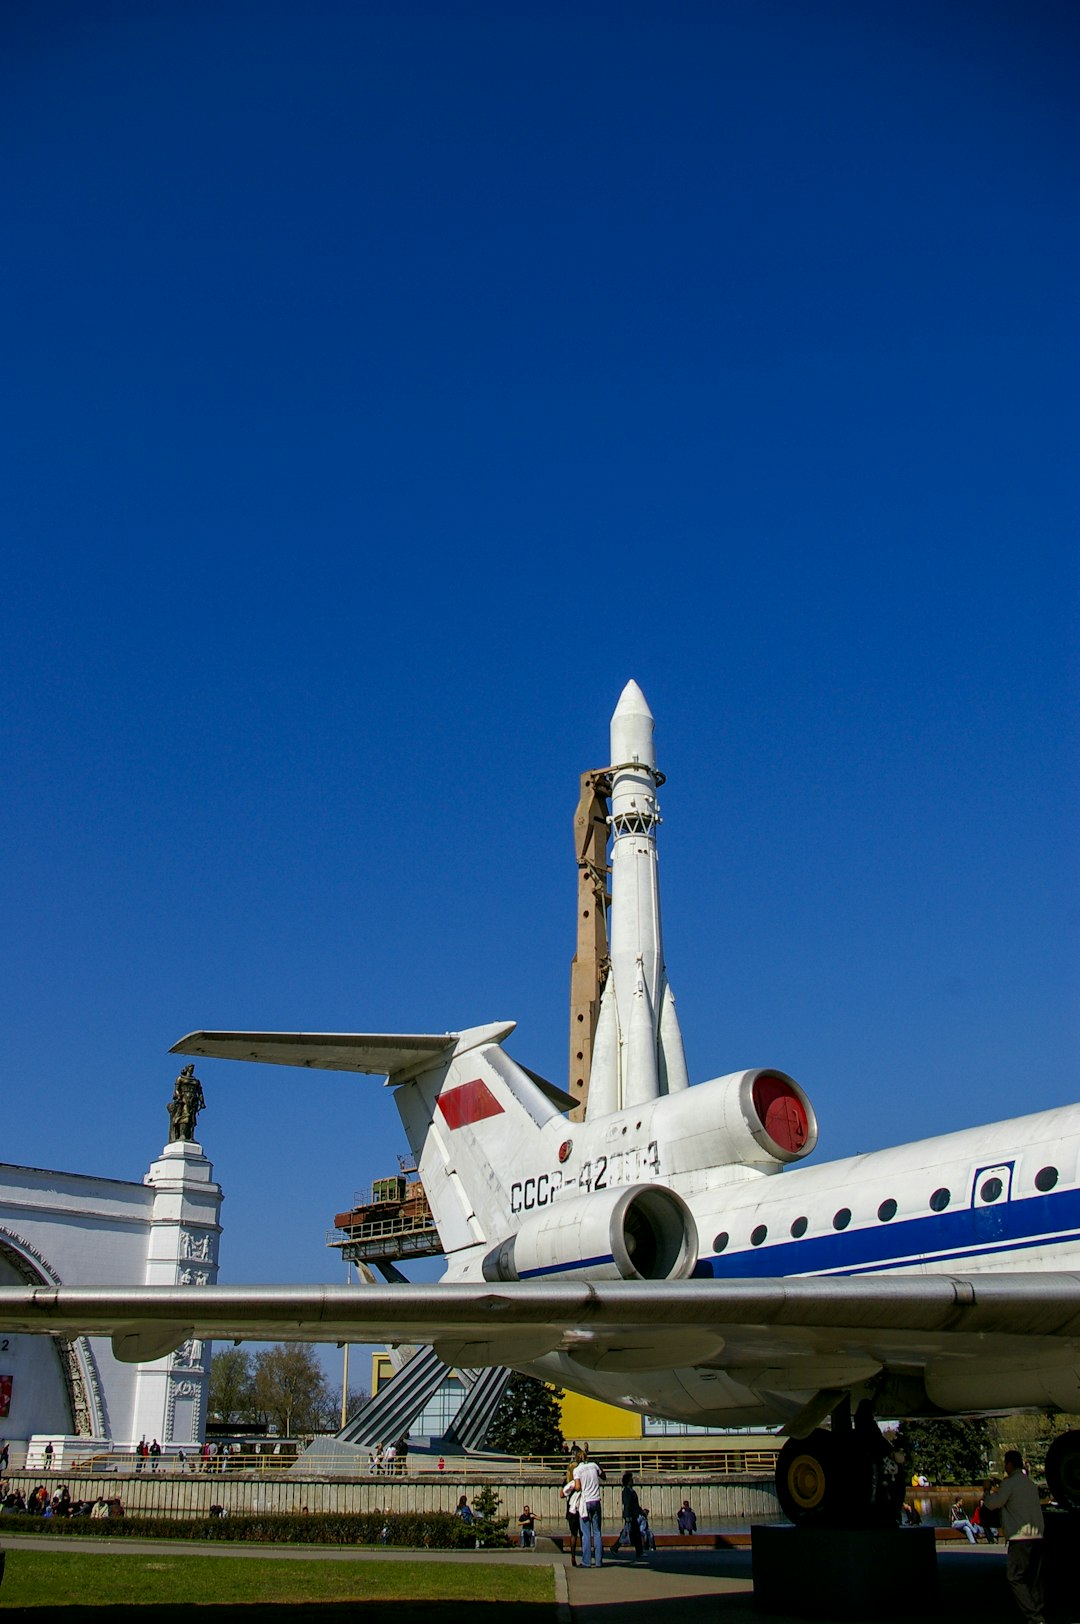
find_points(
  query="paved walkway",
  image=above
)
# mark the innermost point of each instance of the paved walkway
(709, 1587)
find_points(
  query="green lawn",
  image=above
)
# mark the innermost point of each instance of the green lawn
(147, 1587)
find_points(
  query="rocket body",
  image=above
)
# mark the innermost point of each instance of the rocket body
(638, 1049)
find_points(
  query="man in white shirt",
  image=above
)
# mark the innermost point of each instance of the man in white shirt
(1022, 1518)
(587, 1479)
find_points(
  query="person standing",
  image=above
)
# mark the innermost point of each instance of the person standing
(989, 1521)
(631, 1514)
(573, 1519)
(587, 1480)
(1022, 1518)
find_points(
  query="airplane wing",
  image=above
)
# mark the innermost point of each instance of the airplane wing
(788, 1334)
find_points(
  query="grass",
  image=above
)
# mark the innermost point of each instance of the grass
(156, 1586)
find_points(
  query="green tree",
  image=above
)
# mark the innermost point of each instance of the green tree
(956, 1451)
(529, 1419)
(490, 1529)
(290, 1388)
(1032, 1435)
(230, 1397)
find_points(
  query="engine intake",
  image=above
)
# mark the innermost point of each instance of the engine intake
(642, 1232)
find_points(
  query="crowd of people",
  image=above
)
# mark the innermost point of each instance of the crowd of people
(40, 1503)
(582, 1493)
(389, 1459)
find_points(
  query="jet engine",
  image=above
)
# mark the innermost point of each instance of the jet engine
(639, 1232)
(759, 1118)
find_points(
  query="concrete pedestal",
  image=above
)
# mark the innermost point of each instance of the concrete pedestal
(840, 1573)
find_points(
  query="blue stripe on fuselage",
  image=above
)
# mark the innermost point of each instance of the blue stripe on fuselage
(1010, 1226)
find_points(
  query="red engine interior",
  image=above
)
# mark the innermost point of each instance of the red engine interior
(780, 1111)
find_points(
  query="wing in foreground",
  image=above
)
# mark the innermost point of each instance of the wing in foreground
(746, 1324)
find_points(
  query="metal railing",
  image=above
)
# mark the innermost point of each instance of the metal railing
(125, 1461)
(655, 1462)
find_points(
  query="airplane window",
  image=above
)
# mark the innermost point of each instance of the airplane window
(991, 1190)
(887, 1210)
(842, 1218)
(1046, 1178)
(940, 1200)
(798, 1228)
(720, 1242)
(758, 1235)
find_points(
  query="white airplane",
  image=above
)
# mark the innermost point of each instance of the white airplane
(648, 1255)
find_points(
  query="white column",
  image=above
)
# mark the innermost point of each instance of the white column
(170, 1393)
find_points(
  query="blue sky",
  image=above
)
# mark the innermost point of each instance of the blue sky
(385, 385)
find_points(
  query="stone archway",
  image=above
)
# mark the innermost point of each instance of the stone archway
(76, 1365)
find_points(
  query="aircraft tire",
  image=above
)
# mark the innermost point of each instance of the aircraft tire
(808, 1479)
(1063, 1470)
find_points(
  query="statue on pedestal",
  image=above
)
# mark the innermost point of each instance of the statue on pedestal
(185, 1105)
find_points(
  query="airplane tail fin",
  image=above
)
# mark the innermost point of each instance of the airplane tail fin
(474, 1117)
(476, 1123)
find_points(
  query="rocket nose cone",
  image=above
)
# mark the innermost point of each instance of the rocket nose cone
(632, 728)
(632, 702)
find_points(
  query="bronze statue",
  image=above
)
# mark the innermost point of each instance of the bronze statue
(185, 1105)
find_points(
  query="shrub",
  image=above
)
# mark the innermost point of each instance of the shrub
(430, 1530)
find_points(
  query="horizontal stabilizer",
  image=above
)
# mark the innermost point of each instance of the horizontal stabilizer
(378, 1053)
(381, 1053)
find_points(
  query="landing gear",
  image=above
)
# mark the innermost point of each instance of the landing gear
(1063, 1470)
(844, 1478)
(807, 1480)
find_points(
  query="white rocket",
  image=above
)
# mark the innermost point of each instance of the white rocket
(638, 1048)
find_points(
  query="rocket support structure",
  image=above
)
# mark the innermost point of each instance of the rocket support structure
(637, 1052)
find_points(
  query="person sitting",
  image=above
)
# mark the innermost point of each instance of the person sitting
(687, 1518)
(526, 1530)
(959, 1519)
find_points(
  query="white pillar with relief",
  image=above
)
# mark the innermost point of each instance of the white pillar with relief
(171, 1392)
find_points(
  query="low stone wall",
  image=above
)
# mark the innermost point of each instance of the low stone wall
(718, 1504)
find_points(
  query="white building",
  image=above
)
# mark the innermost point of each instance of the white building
(75, 1229)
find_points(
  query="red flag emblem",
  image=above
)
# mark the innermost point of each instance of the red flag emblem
(470, 1102)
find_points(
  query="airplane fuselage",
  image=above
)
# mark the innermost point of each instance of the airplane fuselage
(1003, 1197)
